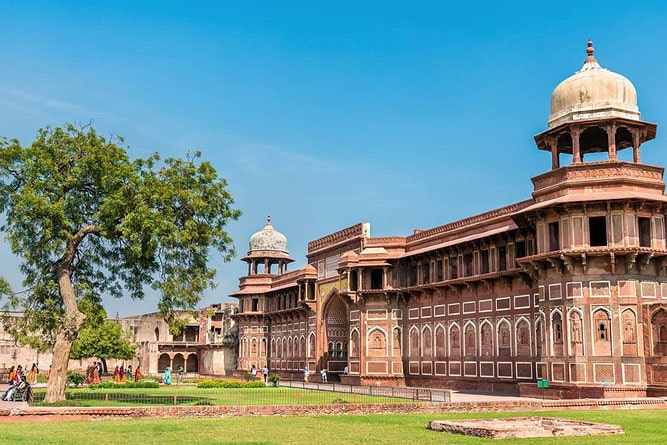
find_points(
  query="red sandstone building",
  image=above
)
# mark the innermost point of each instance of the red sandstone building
(569, 286)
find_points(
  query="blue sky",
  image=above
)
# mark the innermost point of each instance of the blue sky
(324, 114)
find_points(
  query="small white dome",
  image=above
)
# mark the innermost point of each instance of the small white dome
(593, 92)
(268, 240)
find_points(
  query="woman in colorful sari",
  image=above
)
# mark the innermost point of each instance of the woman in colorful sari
(116, 377)
(96, 376)
(12, 375)
(32, 374)
(166, 377)
(137, 374)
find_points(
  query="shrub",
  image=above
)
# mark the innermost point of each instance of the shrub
(232, 383)
(248, 377)
(126, 385)
(41, 378)
(274, 379)
(74, 378)
(339, 400)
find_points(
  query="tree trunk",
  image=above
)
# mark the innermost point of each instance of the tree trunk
(55, 388)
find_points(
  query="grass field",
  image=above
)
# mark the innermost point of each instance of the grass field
(189, 395)
(641, 426)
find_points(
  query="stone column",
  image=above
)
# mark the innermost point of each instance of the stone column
(611, 141)
(575, 132)
(635, 145)
(555, 161)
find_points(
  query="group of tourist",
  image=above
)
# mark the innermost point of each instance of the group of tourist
(122, 374)
(323, 375)
(15, 373)
(93, 373)
(19, 381)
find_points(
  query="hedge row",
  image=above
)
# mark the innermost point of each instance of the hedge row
(126, 385)
(232, 383)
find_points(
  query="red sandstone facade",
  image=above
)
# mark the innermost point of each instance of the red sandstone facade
(569, 286)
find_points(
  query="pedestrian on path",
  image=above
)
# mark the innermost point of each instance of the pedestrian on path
(323, 374)
(305, 374)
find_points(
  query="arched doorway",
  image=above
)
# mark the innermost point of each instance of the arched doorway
(163, 362)
(178, 361)
(337, 331)
(192, 363)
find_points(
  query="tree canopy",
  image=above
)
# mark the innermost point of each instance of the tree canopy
(104, 341)
(88, 221)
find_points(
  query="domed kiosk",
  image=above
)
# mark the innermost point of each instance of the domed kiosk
(268, 249)
(594, 111)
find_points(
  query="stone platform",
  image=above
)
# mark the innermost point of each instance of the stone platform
(522, 427)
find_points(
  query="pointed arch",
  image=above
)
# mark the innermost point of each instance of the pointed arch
(376, 342)
(601, 331)
(262, 347)
(427, 341)
(415, 342)
(311, 345)
(504, 335)
(302, 347)
(396, 341)
(354, 342)
(440, 340)
(522, 337)
(454, 340)
(470, 338)
(575, 331)
(485, 339)
(556, 332)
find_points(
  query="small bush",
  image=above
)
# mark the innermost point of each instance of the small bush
(126, 385)
(232, 383)
(41, 378)
(248, 377)
(74, 378)
(274, 379)
(339, 400)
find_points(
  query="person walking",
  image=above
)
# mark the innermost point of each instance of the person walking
(305, 374)
(166, 377)
(323, 374)
(265, 373)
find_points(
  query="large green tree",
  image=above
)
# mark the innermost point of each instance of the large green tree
(104, 341)
(89, 221)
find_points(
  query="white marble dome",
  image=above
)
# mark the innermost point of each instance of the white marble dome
(591, 93)
(268, 240)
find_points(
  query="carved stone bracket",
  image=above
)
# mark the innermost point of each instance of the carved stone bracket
(584, 266)
(644, 261)
(568, 262)
(630, 260)
(556, 263)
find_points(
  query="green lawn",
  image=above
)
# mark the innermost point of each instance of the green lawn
(642, 427)
(189, 395)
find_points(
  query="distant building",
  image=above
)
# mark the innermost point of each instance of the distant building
(207, 346)
(568, 286)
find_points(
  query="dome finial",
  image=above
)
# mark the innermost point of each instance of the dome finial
(268, 220)
(590, 50)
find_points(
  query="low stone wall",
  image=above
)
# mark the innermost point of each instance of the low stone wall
(332, 409)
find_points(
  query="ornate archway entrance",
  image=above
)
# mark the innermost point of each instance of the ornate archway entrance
(337, 332)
